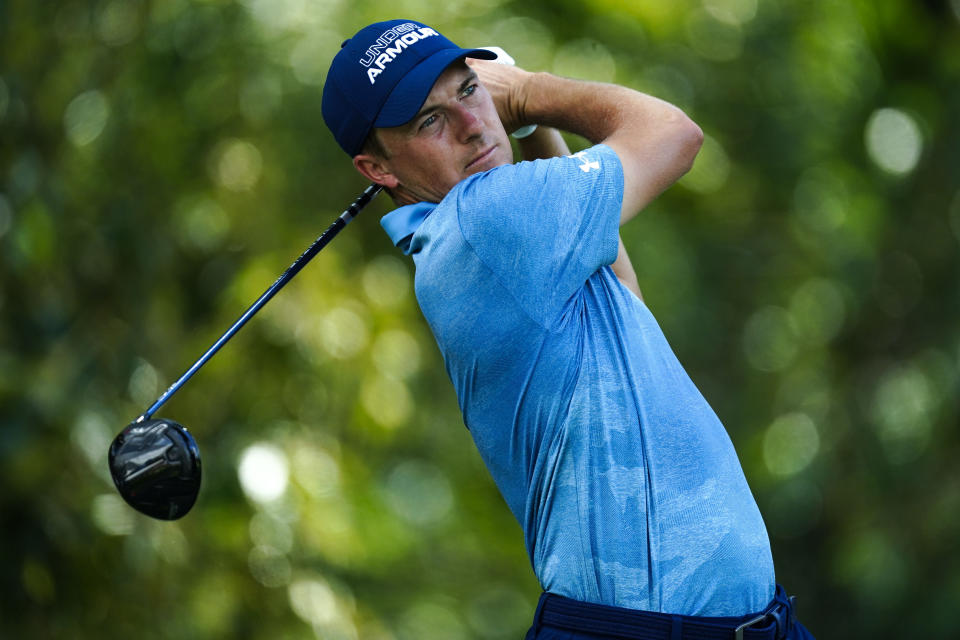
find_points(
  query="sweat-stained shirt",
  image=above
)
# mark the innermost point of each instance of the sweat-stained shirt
(626, 484)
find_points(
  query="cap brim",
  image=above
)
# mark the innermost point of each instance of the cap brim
(409, 94)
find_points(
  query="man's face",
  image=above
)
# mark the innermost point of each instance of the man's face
(455, 134)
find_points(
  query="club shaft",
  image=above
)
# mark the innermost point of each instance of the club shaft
(322, 240)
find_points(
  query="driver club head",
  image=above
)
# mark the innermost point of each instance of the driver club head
(155, 465)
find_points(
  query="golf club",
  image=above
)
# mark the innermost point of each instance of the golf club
(155, 463)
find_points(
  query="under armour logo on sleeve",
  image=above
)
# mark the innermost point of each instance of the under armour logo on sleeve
(586, 164)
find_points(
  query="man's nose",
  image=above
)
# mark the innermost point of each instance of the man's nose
(468, 124)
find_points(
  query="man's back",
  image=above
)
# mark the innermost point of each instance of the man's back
(626, 484)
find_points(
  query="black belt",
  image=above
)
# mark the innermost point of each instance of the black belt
(773, 623)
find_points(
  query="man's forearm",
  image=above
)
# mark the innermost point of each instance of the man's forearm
(655, 141)
(623, 269)
(545, 142)
(594, 110)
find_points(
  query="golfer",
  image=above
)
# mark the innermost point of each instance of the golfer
(636, 514)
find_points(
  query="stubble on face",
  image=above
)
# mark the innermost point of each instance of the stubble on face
(456, 134)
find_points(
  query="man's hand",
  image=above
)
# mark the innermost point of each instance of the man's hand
(503, 83)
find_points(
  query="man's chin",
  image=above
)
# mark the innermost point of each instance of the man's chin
(497, 157)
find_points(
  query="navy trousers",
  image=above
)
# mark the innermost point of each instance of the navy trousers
(559, 618)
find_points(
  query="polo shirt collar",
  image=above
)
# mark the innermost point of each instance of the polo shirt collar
(400, 224)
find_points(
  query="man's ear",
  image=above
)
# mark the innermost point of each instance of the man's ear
(375, 170)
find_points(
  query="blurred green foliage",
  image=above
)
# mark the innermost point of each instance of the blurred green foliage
(161, 162)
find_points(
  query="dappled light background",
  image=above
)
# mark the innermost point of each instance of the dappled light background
(162, 162)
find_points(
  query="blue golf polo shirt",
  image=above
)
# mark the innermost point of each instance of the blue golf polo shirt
(626, 484)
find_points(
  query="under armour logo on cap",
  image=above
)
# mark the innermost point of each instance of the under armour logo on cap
(382, 76)
(390, 44)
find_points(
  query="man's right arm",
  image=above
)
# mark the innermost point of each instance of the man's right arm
(655, 141)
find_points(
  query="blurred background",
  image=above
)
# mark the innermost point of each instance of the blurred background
(162, 162)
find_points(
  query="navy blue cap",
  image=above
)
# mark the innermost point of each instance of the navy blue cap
(383, 75)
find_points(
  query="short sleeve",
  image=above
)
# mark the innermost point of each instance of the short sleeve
(544, 227)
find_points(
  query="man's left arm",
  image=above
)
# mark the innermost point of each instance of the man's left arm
(546, 142)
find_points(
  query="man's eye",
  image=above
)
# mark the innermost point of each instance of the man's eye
(469, 91)
(429, 121)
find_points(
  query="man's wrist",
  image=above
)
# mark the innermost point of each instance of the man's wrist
(532, 97)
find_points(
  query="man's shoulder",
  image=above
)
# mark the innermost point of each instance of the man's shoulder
(528, 187)
(530, 176)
